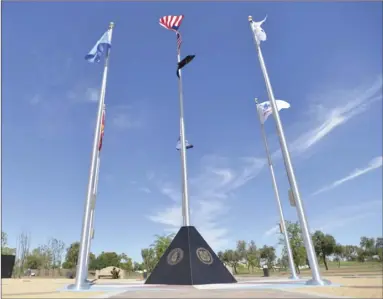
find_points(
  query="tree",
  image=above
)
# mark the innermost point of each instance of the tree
(324, 245)
(268, 253)
(160, 245)
(126, 262)
(138, 266)
(379, 248)
(297, 245)
(4, 239)
(71, 256)
(367, 243)
(252, 256)
(149, 259)
(241, 250)
(107, 259)
(339, 253)
(4, 245)
(92, 261)
(35, 260)
(45, 253)
(379, 243)
(368, 246)
(56, 249)
(220, 256)
(231, 258)
(350, 252)
(284, 261)
(22, 251)
(361, 255)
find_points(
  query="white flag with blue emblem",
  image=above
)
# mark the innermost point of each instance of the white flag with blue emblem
(259, 33)
(264, 109)
(187, 144)
(100, 48)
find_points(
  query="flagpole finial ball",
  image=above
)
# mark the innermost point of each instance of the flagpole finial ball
(111, 25)
(250, 18)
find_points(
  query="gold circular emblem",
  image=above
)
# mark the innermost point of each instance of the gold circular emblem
(175, 256)
(204, 256)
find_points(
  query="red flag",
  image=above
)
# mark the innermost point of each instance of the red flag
(102, 129)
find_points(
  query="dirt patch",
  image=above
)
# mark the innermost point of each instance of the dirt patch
(362, 287)
(41, 288)
(344, 292)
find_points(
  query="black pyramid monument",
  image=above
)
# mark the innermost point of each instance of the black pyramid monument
(189, 260)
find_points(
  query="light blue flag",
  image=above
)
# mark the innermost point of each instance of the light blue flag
(101, 47)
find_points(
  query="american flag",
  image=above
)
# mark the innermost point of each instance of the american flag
(173, 23)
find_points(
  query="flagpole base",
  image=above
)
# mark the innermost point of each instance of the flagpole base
(82, 287)
(292, 277)
(318, 282)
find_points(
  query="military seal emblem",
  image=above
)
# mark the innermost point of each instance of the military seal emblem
(175, 256)
(204, 256)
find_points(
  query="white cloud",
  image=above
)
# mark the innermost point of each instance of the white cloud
(341, 106)
(372, 165)
(122, 117)
(171, 216)
(83, 94)
(220, 177)
(92, 95)
(210, 191)
(145, 190)
(272, 231)
(346, 215)
(36, 99)
(171, 192)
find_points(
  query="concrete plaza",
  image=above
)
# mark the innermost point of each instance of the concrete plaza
(366, 285)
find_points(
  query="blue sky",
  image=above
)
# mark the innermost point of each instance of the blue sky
(323, 58)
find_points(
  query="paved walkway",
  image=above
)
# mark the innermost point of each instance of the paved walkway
(191, 292)
(360, 286)
(260, 288)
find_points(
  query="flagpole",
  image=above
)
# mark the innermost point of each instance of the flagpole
(283, 224)
(185, 192)
(82, 267)
(93, 206)
(316, 279)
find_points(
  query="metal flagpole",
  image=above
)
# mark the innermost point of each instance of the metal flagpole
(316, 279)
(82, 267)
(283, 224)
(185, 193)
(95, 185)
(93, 205)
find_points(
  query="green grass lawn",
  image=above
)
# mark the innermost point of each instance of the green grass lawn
(333, 268)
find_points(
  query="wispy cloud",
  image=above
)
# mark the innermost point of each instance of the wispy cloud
(336, 108)
(92, 95)
(36, 99)
(83, 94)
(145, 190)
(219, 178)
(346, 215)
(272, 231)
(122, 117)
(372, 165)
(341, 216)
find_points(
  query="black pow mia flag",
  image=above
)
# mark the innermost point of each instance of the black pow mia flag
(184, 62)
